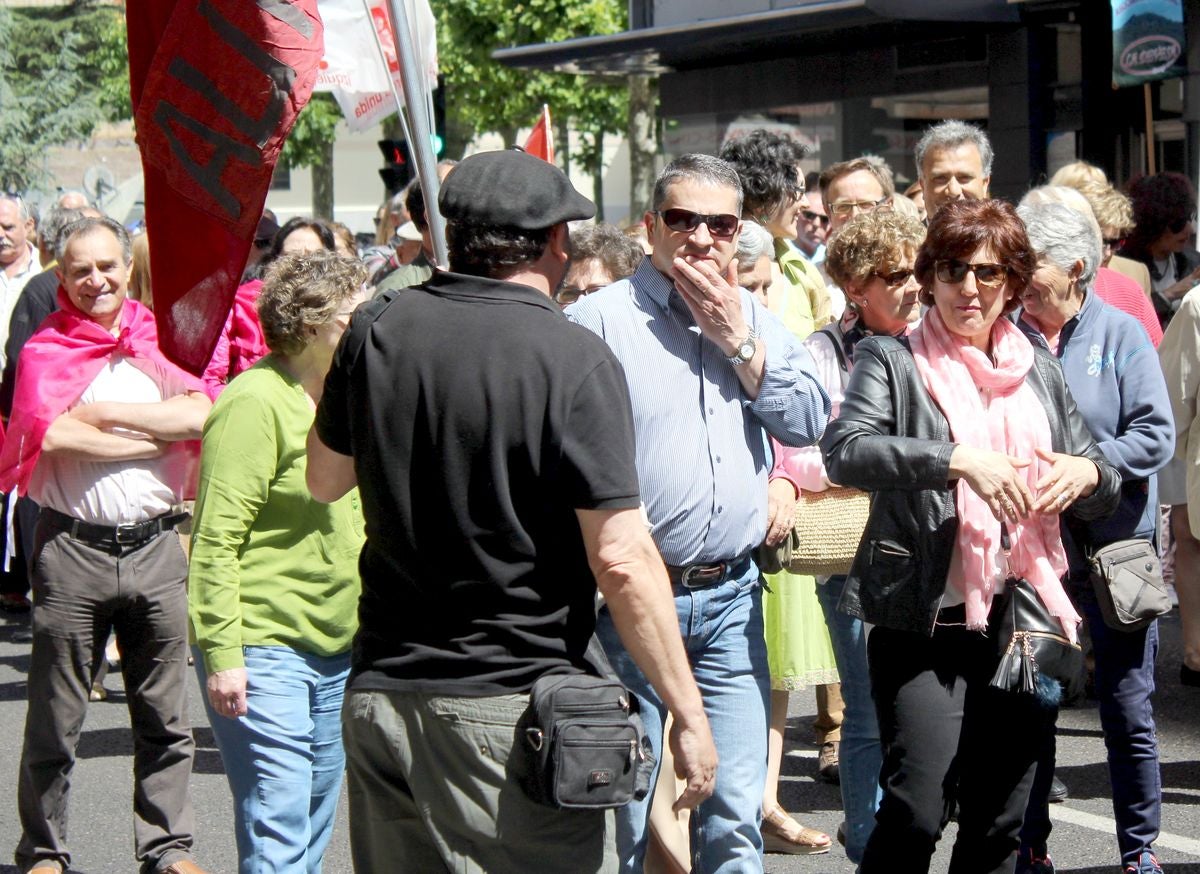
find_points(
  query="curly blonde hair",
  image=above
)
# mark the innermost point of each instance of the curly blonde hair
(1113, 210)
(869, 242)
(303, 292)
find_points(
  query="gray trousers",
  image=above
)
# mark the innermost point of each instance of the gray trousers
(433, 786)
(81, 593)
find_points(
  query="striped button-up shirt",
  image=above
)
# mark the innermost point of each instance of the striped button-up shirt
(702, 449)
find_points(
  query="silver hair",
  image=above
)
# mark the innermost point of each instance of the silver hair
(952, 134)
(86, 226)
(1062, 236)
(25, 209)
(1065, 195)
(700, 168)
(57, 218)
(753, 242)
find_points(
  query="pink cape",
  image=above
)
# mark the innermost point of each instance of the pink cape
(247, 344)
(60, 361)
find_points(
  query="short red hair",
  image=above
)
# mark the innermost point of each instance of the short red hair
(961, 227)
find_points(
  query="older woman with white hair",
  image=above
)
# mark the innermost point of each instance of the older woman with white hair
(1113, 374)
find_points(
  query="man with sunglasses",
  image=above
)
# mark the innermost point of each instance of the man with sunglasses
(711, 373)
(812, 228)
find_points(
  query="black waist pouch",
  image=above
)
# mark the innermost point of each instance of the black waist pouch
(588, 747)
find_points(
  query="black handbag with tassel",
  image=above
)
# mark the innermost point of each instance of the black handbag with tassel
(1036, 657)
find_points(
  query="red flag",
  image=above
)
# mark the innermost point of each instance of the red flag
(216, 87)
(541, 139)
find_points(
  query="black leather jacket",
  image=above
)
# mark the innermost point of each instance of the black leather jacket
(891, 440)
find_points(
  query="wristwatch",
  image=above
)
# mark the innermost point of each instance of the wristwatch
(745, 351)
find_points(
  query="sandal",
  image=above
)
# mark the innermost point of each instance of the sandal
(782, 834)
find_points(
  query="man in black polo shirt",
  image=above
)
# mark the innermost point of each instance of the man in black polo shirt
(492, 443)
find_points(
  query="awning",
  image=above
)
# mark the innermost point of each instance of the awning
(655, 50)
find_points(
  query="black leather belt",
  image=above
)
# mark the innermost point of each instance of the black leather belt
(112, 538)
(701, 576)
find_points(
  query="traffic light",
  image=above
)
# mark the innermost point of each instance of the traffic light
(397, 165)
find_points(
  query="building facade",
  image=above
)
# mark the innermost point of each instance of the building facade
(854, 76)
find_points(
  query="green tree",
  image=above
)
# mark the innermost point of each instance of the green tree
(483, 95)
(310, 144)
(46, 93)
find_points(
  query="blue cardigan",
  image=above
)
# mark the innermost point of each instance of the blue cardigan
(1112, 370)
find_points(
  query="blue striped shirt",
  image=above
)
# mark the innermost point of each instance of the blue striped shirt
(702, 450)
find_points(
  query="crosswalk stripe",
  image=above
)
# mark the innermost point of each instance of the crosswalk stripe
(1165, 840)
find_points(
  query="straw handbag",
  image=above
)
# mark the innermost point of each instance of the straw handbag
(827, 530)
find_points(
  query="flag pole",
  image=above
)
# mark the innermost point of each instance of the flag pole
(420, 126)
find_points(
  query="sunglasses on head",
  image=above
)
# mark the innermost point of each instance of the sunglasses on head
(811, 216)
(685, 221)
(953, 271)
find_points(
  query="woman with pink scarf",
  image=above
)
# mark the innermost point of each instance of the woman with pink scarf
(959, 430)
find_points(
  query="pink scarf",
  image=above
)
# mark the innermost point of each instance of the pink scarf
(58, 364)
(1005, 417)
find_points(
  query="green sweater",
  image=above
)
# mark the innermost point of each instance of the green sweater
(270, 566)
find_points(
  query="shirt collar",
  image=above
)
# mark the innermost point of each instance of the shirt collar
(656, 285)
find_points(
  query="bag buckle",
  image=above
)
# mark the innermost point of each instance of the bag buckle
(535, 738)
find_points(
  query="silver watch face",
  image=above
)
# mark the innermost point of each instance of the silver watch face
(747, 349)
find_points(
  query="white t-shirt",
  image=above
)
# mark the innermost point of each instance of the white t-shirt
(108, 492)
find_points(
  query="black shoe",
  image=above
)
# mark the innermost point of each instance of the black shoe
(1058, 792)
(14, 603)
(1188, 677)
(1030, 864)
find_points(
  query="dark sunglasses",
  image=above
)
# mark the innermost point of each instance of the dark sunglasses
(954, 271)
(896, 278)
(569, 294)
(1177, 226)
(686, 221)
(816, 217)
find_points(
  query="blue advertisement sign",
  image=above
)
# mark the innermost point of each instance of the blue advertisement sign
(1148, 41)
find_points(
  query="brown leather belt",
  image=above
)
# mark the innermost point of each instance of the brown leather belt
(701, 576)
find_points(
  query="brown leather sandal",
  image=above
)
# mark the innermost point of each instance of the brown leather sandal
(782, 834)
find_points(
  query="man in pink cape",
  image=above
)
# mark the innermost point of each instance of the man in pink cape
(102, 436)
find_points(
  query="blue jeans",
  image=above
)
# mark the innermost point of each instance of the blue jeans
(722, 630)
(1124, 686)
(284, 758)
(860, 755)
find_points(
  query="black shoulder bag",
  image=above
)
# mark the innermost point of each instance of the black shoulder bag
(589, 748)
(1033, 647)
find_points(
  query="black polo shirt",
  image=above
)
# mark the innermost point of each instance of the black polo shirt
(479, 419)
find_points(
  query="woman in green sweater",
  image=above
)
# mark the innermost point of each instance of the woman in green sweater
(274, 580)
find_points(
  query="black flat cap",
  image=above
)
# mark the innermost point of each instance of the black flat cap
(513, 189)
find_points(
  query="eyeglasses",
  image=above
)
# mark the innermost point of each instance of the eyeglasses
(896, 278)
(1177, 226)
(954, 271)
(569, 294)
(685, 221)
(811, 216)
(1113, 243)
(843, 208)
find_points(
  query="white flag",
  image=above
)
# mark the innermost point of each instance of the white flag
(352, 68)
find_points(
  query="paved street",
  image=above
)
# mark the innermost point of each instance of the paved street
(101, 829)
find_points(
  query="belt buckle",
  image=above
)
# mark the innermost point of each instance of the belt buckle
(685, 579)
(126, 535)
